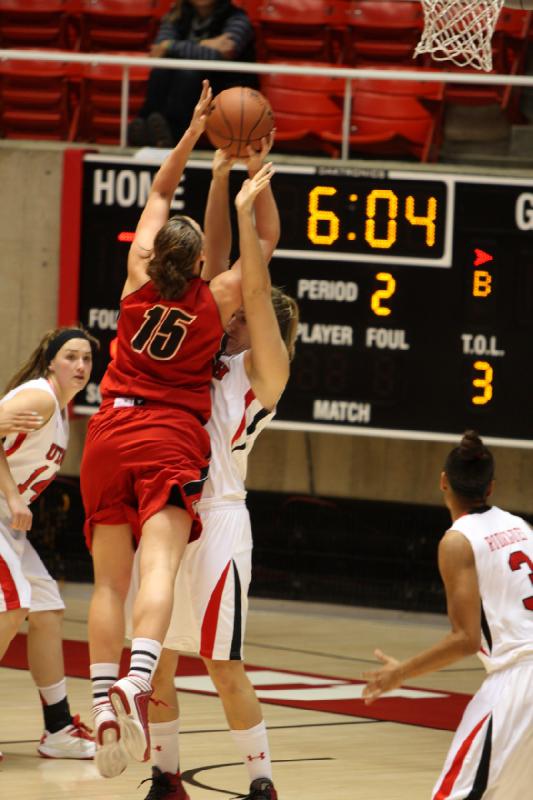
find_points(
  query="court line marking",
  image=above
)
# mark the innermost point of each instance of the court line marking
(339, 657)
(189, 775)
(360, 721)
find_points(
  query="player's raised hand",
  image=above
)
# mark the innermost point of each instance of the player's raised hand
(382, 680)
(256, 158)
(19, 421)
(222, 164)
(21, 516)
(201, 110)
(251, 187)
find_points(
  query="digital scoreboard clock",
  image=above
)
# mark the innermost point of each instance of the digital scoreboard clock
(415, 292)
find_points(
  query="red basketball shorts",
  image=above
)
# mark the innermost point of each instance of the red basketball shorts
(134, 458)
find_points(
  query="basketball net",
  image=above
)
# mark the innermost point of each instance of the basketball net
(460, 31)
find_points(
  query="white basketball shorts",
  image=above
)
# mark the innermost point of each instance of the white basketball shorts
(491, 752)
(211, 591)
(24, 580)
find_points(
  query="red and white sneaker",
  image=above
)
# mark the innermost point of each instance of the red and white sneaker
(130, 697)
(73, 741)
(111, 758)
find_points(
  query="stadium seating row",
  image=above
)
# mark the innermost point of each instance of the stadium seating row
(45, 100)
(388, 117)
(351, 32)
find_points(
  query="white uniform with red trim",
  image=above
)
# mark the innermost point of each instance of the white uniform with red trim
(211, 595)
(491, 757)
(34, 459)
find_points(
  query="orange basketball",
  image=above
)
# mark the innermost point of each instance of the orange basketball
(239, 117)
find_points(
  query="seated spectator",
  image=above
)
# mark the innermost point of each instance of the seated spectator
(203, 29)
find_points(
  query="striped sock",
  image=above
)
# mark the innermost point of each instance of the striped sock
(103, 676)
(144, 658)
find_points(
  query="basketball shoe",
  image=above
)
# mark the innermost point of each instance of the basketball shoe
(166, 786)
(130, 697)
(262, 789)
(110, 758)
(72, 741)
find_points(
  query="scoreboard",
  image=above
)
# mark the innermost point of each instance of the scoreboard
(415, 292)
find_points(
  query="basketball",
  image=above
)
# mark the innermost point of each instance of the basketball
(239, 117)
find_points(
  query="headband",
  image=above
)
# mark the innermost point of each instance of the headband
(55, 344)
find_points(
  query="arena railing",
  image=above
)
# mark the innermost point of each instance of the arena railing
(345, 73)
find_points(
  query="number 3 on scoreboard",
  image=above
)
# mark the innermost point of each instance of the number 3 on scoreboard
(484, 383)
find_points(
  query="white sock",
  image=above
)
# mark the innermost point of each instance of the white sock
(103, 676)
(164, 737)
(252, 744)
(53, 694)
(144, 658)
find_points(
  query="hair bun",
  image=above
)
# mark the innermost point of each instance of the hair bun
(471, 446)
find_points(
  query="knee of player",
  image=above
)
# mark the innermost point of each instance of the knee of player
(229, 677)
(46, 621)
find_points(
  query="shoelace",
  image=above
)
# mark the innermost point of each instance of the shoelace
(157, 702)
(81, 727)
(160, 787)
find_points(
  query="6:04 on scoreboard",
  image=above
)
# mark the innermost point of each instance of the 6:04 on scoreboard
(415, 291)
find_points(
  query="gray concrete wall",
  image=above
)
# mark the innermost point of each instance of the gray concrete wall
(30, 181)
(294, 462)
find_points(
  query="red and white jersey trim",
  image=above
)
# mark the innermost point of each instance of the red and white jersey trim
(35, 458)
(237, 418)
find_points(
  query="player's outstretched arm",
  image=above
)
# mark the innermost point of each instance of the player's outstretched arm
(458, 571)
(217, 222)
(268, 366)
(166, 181)
(267, 220)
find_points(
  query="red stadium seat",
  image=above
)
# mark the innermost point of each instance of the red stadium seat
(390, 118)
(34, 100)
(33, 23)
(298, 29)
(382, 30)
(117, 25)
(304, 108)
(510, 39)
(100, 101)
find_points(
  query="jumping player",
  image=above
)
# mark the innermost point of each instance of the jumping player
(211, 594)
(147, 451)
(34, 423)
(486, 563)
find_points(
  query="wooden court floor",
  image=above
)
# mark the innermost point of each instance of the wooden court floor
(317, 754)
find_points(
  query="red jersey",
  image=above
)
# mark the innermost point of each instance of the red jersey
(165, 349)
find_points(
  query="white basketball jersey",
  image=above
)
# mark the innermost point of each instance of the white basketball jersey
(34, 458)
(503, 550)
(237, 418)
